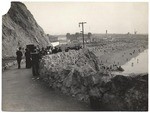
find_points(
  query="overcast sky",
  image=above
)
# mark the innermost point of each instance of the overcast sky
(61, 18)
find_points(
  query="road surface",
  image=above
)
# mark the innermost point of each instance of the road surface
(20, 92)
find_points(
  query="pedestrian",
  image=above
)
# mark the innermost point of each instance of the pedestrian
(19, 57)
(43, 52)
(28, 58)
(132, 64)
(59, 49)
(137, 60)
(35, 62)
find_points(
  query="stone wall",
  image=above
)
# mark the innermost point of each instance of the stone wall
(77, 73)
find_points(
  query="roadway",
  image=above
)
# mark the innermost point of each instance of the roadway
(22, 92)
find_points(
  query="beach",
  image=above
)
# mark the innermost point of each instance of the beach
(118, 52)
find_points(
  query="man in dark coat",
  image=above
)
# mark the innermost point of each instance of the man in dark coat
(35, 62)
(28, 58)
(19, 57)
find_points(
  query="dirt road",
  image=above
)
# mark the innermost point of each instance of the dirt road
(20, 92)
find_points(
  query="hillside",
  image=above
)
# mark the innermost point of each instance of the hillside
(19, 28)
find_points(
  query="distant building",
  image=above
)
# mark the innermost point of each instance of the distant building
(78, 37)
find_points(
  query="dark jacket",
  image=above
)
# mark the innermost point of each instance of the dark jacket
(19, 54)
(35, 57)
(27, 54)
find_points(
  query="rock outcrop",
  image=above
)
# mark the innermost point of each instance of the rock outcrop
(77, 73)
(19, 28)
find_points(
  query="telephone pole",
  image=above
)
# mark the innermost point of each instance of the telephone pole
(82, 23)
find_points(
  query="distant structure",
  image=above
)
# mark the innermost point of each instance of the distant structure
(135, 32)
(106, 35)
(78, 37)
(82, 23)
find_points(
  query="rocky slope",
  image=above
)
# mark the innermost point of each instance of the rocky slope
(77, 73)
(19, 28)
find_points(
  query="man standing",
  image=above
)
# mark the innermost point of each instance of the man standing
(28, 58)
(19, 57)
(35, 62)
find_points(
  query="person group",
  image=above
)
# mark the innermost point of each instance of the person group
(31, 57)
(19, 55)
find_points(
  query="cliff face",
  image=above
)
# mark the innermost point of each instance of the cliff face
(19, 28)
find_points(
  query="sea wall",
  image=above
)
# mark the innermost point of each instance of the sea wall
(77, 73)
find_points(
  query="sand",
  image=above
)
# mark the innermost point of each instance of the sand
(113, 54)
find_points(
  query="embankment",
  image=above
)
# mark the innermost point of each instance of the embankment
(77, 73)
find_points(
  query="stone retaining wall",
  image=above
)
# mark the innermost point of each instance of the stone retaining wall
(77, 73)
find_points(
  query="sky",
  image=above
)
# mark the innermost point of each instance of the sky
(116, 17)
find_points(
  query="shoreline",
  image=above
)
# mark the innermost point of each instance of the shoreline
(115, 54)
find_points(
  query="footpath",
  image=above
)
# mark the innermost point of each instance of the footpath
(22, 92)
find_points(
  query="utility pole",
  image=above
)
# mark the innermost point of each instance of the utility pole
(82, 23)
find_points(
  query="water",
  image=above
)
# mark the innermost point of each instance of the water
(62, 38)
(137, 64)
